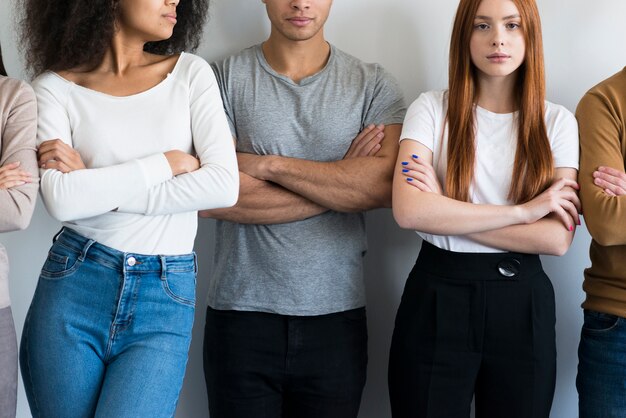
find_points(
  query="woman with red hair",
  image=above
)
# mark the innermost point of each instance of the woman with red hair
(486, 176)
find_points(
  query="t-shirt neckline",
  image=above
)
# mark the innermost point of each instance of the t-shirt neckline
(305, 81)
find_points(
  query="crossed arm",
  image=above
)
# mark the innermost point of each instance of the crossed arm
(602, 179)
(543, 225)
(276, 189)
(18, 164)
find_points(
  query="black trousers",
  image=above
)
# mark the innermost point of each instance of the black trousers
(474, 325)
(261, 365)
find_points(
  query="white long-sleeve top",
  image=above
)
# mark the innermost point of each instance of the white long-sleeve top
(127, 198)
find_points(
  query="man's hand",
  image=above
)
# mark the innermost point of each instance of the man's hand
(611, 180)
(56, 154)
(12, 176)
(254, 165)
(367, 142)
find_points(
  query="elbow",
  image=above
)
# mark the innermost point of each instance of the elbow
(230, 193)
(59, 211)
(559, 245)
(604, 233)
(19, 223)
(60, 214)
(23, 222)
(403, 219)
(607, 239)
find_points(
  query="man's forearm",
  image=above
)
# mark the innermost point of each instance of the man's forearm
(348, 185)
(261, 202)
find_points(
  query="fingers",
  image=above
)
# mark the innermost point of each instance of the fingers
(565, 218)
(57, 165)
(418, 184)
(419, 172)
(572, 211)
(613, 172)
(13, 178)
(562, 183)
(367, 142)
(610, 179)
(58, 151)
(53, 150)
(10, 166)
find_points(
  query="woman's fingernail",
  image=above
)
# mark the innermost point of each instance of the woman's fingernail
(415, 156)
(405, 163)
(409, 179)
(404, 170)
(571, 228)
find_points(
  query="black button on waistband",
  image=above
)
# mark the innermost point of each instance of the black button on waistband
(509, 267)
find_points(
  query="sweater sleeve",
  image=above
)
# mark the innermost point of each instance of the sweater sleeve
(18, 144)
(90, 192)
(216, 183)
(600, 126)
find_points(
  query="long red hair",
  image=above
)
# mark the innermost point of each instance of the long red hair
(533, 169)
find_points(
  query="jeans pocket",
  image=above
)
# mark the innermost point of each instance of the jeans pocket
(599, 322)
(60, 263)
(180, 287)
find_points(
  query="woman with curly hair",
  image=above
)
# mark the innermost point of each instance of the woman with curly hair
(18, 192)
(123, 113)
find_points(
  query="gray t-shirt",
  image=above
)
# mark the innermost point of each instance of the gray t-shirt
(313, 266)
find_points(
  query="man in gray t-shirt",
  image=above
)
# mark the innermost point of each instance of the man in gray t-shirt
(316, 132)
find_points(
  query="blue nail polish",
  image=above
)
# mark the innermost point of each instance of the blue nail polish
(415, 156)
(404, 170)
(409, 179)
(405, 163)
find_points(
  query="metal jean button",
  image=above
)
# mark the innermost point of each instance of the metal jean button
(509, 267)
(131, 261)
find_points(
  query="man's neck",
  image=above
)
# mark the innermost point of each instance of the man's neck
(296, 59)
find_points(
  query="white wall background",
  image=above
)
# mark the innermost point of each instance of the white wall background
(584, 43)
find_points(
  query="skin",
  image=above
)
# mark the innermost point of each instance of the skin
(276, 189)
(125, 70)
(12, 176)
(419, 202)
(612, 181)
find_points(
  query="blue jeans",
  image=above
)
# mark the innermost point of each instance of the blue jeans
(107, 333)
(601, 380)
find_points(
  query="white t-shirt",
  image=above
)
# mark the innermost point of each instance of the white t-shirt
(127, 198)
(496, 142)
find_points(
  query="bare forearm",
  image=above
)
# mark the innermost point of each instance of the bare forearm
(262, 203)
(435, 214)
(546, 236)
(353, 185)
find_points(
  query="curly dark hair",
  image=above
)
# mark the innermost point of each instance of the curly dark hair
(2, 70)
(64, 34)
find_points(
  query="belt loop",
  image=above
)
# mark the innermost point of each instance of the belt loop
(195, 263)
(163, 267)
(57, 235)
(86, 248)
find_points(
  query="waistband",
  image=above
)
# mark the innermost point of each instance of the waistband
(477, 266)
(123, 261)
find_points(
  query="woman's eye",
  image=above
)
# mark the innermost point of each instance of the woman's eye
(481, 26)
(512, 25)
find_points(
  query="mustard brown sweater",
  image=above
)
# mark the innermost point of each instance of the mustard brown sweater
(602, 122)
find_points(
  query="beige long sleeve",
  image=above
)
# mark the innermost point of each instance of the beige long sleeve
(18, 120)
(18, 130)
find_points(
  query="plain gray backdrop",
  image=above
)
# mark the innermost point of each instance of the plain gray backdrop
(584, 43)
